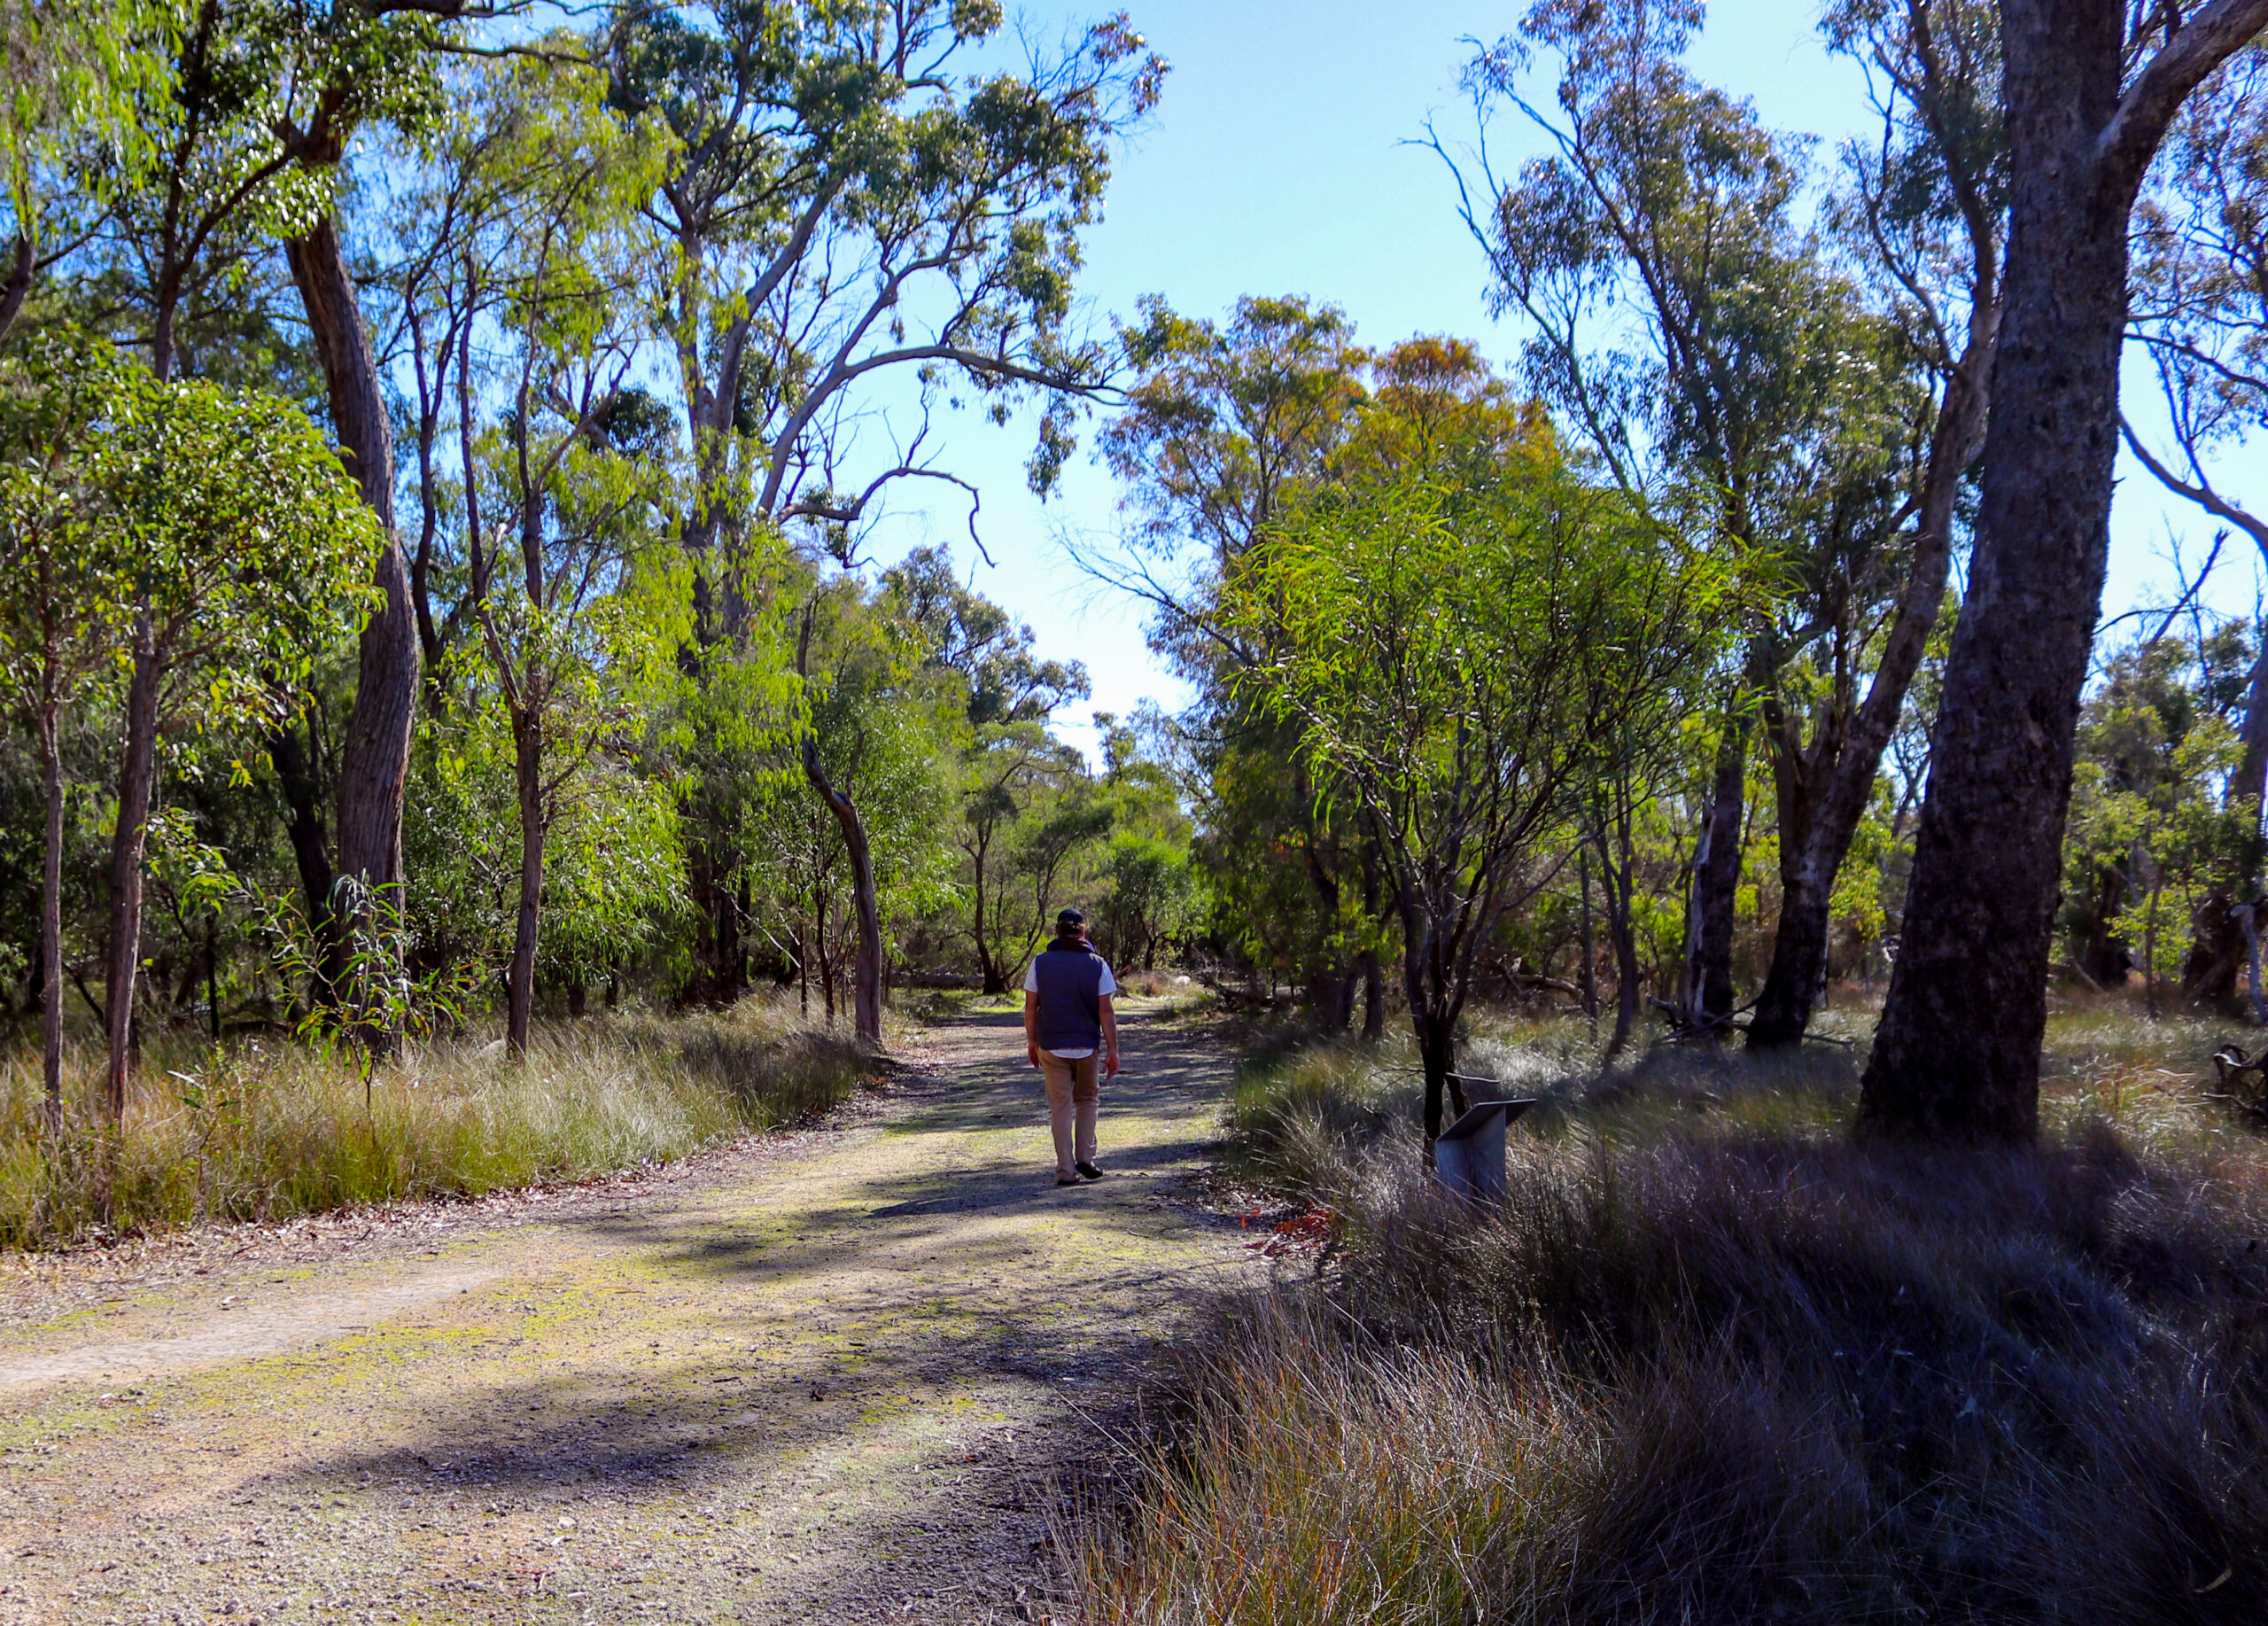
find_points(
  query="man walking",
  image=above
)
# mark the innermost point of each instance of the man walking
(1066, 1015)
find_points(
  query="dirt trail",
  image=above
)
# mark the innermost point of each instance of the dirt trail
(831, 1377)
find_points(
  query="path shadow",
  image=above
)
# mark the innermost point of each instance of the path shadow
(725, 1407)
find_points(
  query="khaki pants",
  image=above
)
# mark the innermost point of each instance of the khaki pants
(1072, 1093)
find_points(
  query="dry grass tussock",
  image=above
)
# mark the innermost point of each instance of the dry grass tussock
(263, 1132)
(1713, 1362)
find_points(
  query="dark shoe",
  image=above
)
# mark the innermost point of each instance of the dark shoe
(1092, 1171)
(1067, 1179)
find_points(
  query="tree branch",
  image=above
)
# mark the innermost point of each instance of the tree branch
(2130, 139)
(2201, 493)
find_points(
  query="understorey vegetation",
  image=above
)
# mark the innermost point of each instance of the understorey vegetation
(1711, 1360)
(264, 1131)
(482, 701)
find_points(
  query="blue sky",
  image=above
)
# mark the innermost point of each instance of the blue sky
(1280, 163)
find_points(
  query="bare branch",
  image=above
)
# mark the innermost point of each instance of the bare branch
(2194, 49)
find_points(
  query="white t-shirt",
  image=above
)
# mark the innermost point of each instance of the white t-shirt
(1104, 989)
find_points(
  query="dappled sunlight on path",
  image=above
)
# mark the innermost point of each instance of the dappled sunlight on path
(831, 1382)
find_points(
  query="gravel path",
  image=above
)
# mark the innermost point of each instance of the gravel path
(842, 1375)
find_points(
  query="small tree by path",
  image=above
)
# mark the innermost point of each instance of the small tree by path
(62, 597)
(1468, 645)
(244, 547)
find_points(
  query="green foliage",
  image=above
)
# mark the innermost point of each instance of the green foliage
(2155, 830)
(1465, 655)
(246, 545)
(66, 597)
(74, 84)
(614, 881)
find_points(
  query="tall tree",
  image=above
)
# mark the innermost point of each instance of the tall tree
(341, 67)
(849, 207)
(1701, 345)
(2201, 312)
(246, 550)
(1925, 212)
(2088, 100)
(63, 608)
(578, 465)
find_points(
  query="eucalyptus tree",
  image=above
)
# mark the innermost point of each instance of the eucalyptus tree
(64, 607)
(1468, 636)
(851, 205)
(245, 550)
(2200, 312)
(1924, 213)
(1691, 335)
(265, 100)
(2088, 96)
(244, 135)
(1225, 425)
(577, 473)
(74, 82)
(1820, 423)
(880, 723)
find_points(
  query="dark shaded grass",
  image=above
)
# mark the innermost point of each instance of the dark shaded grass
(1713, 1362)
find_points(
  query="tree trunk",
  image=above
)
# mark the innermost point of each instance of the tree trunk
(137, 775)
(23, 263)
(1373, 981)
(1437, 1055)
(995, 979)
(1617, 880)
(297, 778)
(50, 925)
(2248, 919)
(1590, 951)
(1958, 1051)
(2107, 960)
(2252, 768)
(527, 753)
(868, 968)
(711, 864)
(1425, 983)
(373, 760)
(213, 975)
(2216, 953)
(1716, 888)
(1373, 997)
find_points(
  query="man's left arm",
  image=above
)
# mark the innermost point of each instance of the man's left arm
(1031, 1026)
(1110, 1039)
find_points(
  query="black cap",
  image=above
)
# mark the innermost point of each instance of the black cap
(1070, 917)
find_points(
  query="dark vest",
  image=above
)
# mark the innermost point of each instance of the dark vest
(1070, 1000)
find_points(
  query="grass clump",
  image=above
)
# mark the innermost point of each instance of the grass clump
(1714, 1361)
(268, 1131)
